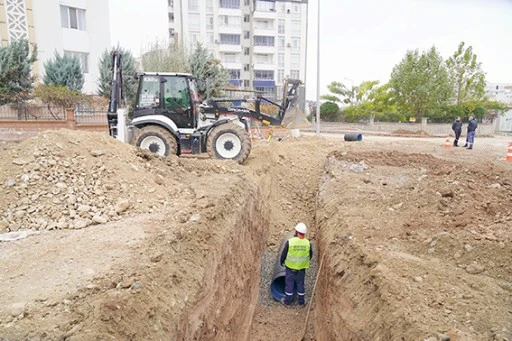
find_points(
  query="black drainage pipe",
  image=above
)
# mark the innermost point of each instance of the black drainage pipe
(278, 276)
(354, 137)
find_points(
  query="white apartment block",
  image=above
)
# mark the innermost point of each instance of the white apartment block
(501, 92)
(75, 27)
(260, 42)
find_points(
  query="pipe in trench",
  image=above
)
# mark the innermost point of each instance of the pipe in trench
(278, 276)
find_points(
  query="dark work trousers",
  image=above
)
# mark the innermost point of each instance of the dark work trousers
(292, 277)
(457, 135)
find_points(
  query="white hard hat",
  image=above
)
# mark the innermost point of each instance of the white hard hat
(301, 228)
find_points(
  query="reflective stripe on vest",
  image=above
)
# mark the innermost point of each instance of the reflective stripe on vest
(298, 254)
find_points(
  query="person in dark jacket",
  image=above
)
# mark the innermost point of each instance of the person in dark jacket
(296, 255)
(472, 125)
(457, 129)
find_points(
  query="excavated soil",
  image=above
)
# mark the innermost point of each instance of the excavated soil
(112, 243)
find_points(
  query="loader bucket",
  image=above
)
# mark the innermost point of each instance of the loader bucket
(295, 118)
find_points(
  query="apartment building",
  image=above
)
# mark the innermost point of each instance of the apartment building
(260, 42)
(76, 27)
(501, 92)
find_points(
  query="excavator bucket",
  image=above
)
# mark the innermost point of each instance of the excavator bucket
(294, 118)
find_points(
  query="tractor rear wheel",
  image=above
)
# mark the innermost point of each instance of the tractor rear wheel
(229, 141)
(157, 140)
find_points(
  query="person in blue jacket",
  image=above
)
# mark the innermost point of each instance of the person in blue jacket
(296, 256)
(472, 125)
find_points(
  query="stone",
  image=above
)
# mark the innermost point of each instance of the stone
(17, 309)
(9, 182)
(4, 224)
(418, 279)
(99, 219)
(468, 247)
(443, 337)
(122, 205)
(159, 179)
(475, 268)
(80, 224)
(97, 153)
(137, 285)
(13, 227)
(194, 218)
(22, 161)
(84, 208)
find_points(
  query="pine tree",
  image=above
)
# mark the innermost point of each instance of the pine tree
(204, 65)
(64, 71)
(129, 74)
(16, 79)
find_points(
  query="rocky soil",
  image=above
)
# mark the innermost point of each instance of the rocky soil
(108, 242)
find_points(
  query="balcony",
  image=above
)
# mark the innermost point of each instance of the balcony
(265, 49)
(265, 66)
(229, 48)
(230, 29)
(237, 12)
(232, 65)
(265, 14)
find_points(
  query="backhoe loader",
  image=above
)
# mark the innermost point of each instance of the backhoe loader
(170, 118)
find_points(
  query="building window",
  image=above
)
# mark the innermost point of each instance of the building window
(247, 34)
(246, 67)
(194, 38)
(263, 59)
(229, 3)
(230, 21)
(171, 17)
(263, 41)
(280, 75)
(280, 43)
(247, 51)
(280, 60)
(73, 18)
(294, 74)
(234, 74)
(230, 39)
(246, 18)
(230, 58)
(82, 57)
(267, 91)
(210, 38)
(209, 22)
(295, 44)
(246, 83)
(193, 5)
(194, 22)
(264, 74)
(209, 6)
(170, 3)
(263, 25)
(247, 2)
(295, 60)
(281, 26)
(296, 28)
(265, 6)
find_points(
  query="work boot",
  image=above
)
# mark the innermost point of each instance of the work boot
(470, 147)
(283, 302)
(465, 145)
(455, 144)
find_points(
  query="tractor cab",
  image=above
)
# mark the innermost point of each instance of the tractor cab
(173, 95)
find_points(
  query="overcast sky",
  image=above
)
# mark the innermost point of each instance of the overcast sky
(362, 39)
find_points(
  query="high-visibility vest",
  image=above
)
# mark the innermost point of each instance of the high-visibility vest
(298, 254)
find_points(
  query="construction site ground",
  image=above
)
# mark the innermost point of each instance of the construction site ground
(102, 241)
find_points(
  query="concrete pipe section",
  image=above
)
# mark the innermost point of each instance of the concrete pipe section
(278, 276)
(353, 137)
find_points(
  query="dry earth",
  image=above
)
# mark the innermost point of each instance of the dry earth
(415, 240)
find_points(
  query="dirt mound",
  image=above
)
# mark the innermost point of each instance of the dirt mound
(64, 179)
(405, 132)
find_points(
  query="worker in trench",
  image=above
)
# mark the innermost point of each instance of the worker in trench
(296, 256)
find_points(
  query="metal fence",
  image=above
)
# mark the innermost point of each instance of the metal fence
(32, 113)
(91, 117)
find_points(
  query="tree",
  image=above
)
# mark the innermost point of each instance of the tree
(204, 65)
(162, 57)
(421, 84)
(467, 75)
(15, 71)
(329, 111)
(340, 93)
(64, 71)
(129, 74)
(59, 95)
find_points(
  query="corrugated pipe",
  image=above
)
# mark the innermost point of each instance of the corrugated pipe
(278, 277)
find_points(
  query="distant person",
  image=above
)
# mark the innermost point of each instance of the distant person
(295, 258)
(457, 129)
(472, 125)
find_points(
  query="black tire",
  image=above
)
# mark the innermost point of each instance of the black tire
(229, 141)
(157, 140)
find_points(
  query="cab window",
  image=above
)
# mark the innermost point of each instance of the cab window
(149, 96)
(176, 94)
